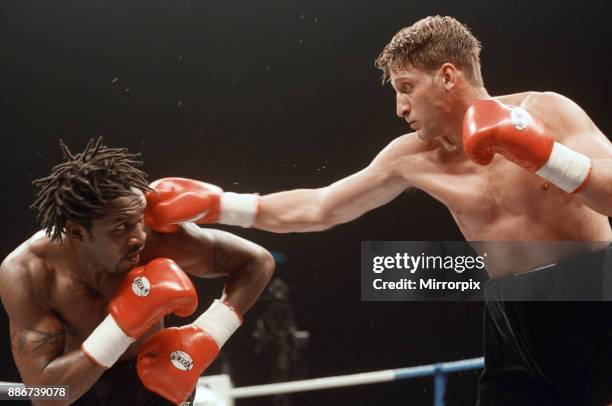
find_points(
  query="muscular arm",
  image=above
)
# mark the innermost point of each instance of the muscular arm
(573, 127)
(598, 193)
(304, 210)
(37, 339)
(211, 253)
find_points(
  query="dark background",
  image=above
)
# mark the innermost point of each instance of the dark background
(260, 96)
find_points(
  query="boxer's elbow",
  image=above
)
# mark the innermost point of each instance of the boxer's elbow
(260, 270)
(318, 219)
(299, 210)
(264, 265)
(305, 217)
(321, 214)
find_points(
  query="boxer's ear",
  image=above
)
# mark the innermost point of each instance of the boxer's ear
(75, 232)
(449, 74)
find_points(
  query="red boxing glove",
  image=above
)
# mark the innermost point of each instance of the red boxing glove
(171, 361)
(491, 127)
(151, 292)
(144, 296)
(180, 200)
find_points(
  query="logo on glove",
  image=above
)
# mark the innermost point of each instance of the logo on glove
(520, 118)
(141, 286)
(181, 360)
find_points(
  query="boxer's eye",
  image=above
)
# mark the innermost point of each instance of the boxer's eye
(120, 228)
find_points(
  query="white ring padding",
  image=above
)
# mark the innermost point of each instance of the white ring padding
(107, 343)
(566, 168)
(220, 321)
(313, 384)
(238, 209)
(357, 379)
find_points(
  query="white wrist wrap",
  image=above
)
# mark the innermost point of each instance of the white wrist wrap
(219, 321)
(106, 343)
(566, 168)
(238, 209)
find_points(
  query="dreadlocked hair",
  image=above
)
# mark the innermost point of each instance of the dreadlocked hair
(78, 188)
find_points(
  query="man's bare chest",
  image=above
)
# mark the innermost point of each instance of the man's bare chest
(501, 186)
(495, 201)
(79, 308)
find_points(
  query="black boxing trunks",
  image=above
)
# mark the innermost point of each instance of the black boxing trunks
(549, 352)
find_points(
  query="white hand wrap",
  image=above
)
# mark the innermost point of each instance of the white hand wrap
(566, 168)
(106, 343)
(238, 209)
(219, 321)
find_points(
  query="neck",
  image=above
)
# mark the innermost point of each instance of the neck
(466, 97)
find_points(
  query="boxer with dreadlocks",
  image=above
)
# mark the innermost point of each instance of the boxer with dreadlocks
(85, 292)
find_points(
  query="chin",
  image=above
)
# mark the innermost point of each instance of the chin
(123, 268)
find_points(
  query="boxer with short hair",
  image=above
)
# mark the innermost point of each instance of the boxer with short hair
(520, 167)
(84, 294)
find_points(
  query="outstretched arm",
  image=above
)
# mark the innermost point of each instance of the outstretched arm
(304, 210)
(178, 200)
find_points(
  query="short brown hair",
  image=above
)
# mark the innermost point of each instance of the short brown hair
(431, 42)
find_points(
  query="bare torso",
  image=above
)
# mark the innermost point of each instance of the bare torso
(54, 305)
(504, 202)
(57, 288)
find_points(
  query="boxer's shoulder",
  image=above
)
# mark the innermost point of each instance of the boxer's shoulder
(514, 99)
(404, 153)
(560, 114)
(409, 145)
(549, 105)
(535, 101)
(26, 269)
